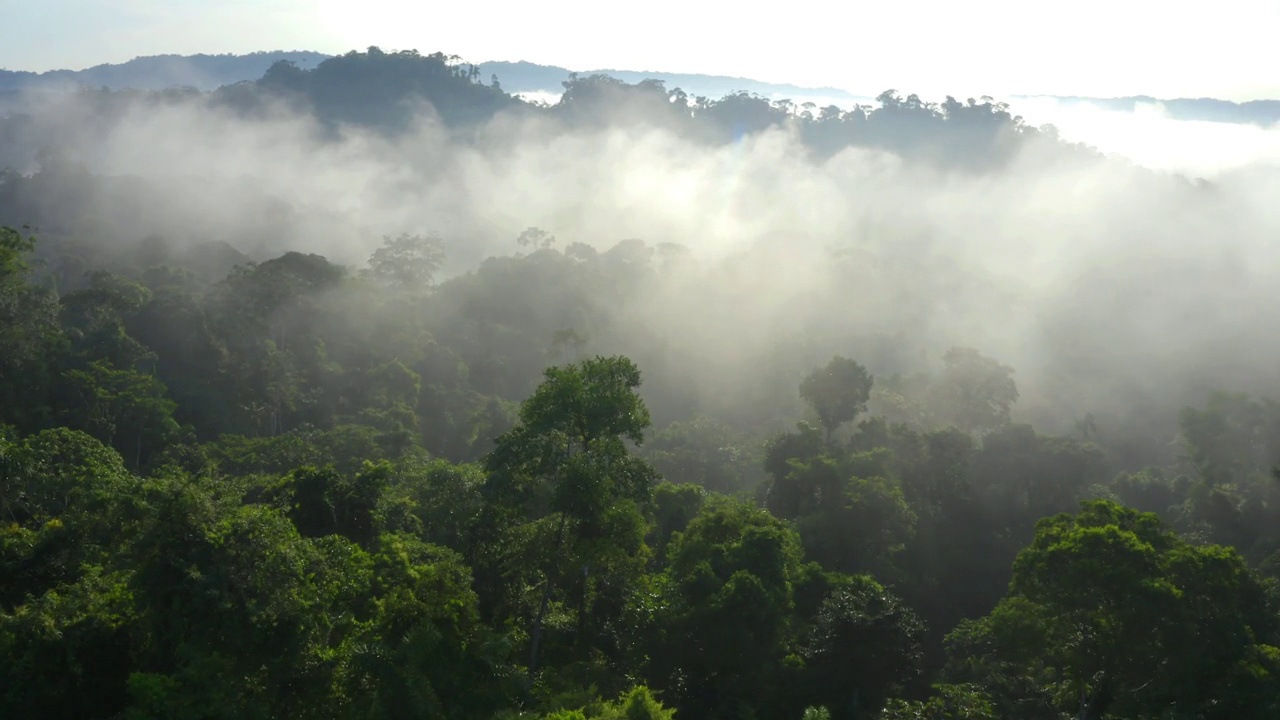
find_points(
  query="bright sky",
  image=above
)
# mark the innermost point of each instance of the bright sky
(997, 47)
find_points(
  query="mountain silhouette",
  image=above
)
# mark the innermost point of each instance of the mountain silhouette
(209, 72)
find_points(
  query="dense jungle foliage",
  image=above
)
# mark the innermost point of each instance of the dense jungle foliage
(292, 488)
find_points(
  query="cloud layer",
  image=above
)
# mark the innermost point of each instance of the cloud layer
(1111, 289)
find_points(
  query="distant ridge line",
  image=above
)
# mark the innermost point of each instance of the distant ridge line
(211, 71)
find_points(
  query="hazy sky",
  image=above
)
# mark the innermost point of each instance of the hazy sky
(999, 47)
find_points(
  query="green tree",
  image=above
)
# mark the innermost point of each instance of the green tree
(837, 392)
(424, 653)
(31, 335)
(637, 704)
(222, 590)
(674, 507)
(13, 250)
(567, 462)
(865, 647)
(1111, 614)
(719, 621)
(321, 501)
(67, 652)
(974, 393)
(849, 508)
(536, 238)
(68, 509)
(950, 702)
(856, 521)
(704, 452)
(433, 499)
(66, 502)
(407, 261)
(124, 408)
(95, 318)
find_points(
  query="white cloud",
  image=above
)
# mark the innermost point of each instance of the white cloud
(995, 47)
(1150, 137)
(1102, 284)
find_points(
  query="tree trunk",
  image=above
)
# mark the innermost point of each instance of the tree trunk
(582, 605)
(1093, 705)
(535, 637)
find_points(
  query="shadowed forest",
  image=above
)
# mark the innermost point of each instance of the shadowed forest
(373, 391)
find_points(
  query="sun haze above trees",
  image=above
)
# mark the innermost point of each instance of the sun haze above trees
(241, 479)
(279, 494)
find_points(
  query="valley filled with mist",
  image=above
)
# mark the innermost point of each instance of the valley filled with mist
(372, 389)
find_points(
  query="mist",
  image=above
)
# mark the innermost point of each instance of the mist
(1112, 289)
(1150, 137)
(372, 389)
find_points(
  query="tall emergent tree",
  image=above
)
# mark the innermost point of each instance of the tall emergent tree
(407, 261)
(566, 466)
(837, 392)
(975, 393)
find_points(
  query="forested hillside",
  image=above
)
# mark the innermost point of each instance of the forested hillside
(385, 91)
(209, 72)
(259, 459)
(160, 72)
